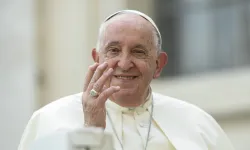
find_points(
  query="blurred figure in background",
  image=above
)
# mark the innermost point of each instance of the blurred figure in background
(118, 98)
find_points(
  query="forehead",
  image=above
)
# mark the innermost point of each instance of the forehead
(128, 28)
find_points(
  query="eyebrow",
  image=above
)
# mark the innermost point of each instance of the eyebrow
(113, 43)
(140, 46)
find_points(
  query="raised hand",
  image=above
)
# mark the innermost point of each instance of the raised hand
(95, 94)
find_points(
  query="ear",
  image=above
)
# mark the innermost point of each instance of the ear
(160, 63)
(95, 55)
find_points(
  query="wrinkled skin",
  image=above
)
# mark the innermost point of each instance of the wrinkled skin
(126, 63)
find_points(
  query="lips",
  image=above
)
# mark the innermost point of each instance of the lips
(125, 77)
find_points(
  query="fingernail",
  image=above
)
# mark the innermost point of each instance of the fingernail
(104, 64)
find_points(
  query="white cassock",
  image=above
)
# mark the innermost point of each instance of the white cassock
(176, 125)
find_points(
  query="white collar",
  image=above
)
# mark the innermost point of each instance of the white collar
(140, 109)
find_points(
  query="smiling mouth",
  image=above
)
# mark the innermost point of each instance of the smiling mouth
(126, 77)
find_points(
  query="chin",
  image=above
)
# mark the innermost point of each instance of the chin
(127, 92)
(125, 98)
(124, 94)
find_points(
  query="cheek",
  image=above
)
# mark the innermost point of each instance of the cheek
(146, 68)
(111, 62)
(151, 66)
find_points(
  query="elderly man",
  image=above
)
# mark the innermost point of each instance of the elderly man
(117, 96)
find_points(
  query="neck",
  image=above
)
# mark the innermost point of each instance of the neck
(136, 100)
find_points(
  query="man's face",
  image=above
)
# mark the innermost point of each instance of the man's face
(128, 46)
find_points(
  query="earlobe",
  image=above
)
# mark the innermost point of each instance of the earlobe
(156, 74)
(154, 77)
(95, 55)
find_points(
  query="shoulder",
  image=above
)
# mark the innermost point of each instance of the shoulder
(64, 103)
(64, 109)
(63, 113)
(180, 106)
(185, 112)
(171, 102)
(200, 123)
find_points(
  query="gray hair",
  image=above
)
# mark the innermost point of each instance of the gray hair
(157, 34)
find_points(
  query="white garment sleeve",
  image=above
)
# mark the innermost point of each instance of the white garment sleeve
(29, 133)
(213, 134)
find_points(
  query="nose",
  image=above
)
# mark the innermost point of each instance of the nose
(125, 62)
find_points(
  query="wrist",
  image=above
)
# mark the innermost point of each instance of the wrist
(90, 125)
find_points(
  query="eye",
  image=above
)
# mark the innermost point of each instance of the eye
(113, 50)
(139, 51)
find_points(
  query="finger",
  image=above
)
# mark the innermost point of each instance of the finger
(107, 93)
(104, 87)
(89, 75)
(98, 72)
(98, 85)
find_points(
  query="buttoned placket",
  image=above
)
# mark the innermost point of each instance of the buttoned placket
(142, 124)
(140, 121)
